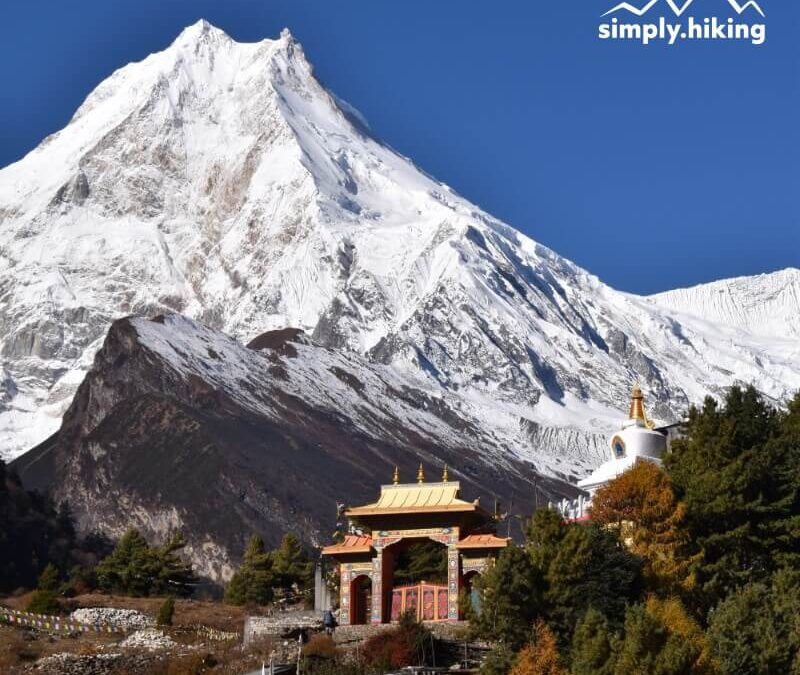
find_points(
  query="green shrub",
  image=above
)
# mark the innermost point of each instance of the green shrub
(44, 602)
(166, 611)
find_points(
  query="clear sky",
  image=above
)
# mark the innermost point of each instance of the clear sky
(653, 167)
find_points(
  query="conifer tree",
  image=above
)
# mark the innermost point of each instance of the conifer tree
(175, 577)
(736, 470)
(48, 580)
(591, 568)
(592, 646)
(756, 631)
(134, 568)
(252, 583)
(290, 564)
(499, 660)
(660, 638)
(511, 592)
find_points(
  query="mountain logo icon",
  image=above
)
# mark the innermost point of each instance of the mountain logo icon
(680, 9)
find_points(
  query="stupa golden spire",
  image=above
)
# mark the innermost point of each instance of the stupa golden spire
(420, 474)
(396, 476)
(636, 409)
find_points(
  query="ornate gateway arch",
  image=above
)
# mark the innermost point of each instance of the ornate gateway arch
(412, 511)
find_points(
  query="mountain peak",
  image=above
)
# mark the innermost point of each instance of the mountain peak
(222, 181)
(199, 31)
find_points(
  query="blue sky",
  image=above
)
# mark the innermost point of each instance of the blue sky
(653, 167)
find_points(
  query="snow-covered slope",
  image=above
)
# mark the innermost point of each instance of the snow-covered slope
(767, 305)
(222, 181)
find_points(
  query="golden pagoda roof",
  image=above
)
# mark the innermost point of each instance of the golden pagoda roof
(417, 498)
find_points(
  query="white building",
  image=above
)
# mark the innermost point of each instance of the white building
(636, 441)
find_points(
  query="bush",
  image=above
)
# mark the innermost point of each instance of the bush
(320, 646)
(44, 599)
(44, 602)
(401, 646)
(165, 612)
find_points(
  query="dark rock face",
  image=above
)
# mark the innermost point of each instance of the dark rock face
(177, 426)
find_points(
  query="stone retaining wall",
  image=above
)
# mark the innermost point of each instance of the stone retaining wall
(444, 630)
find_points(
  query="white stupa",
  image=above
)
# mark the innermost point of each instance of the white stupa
(636, 441)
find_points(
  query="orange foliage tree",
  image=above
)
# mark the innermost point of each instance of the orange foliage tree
(540, 656)
(642, 506)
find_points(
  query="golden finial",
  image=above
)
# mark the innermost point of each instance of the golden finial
(420, 474)
(636, 409)
(396, 476)
(445, 475)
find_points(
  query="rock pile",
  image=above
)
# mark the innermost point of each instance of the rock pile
(150, 639)
(126, 619)
(73, 664)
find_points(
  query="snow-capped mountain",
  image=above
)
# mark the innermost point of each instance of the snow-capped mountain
(222, 181)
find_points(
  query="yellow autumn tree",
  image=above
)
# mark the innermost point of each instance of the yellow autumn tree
(540, 656)
(640, 503)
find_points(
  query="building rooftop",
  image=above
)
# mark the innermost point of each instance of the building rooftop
(353, 543)
(417, 498)
(487, 540)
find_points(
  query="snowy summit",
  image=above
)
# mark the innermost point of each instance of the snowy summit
(222, 181)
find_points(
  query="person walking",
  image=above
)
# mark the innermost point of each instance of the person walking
(329, 621)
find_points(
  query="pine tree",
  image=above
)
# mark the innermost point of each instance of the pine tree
(592, 646)
(564, 570)
(511, 592)
(756, 631)
(685, 630)
(252, 583)
(126, 569)
(499, 660)
(175, 577)
(590, 569)
(543, 535)
(736, 470)
(134, 568)
(48, 580)
(290, 564)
